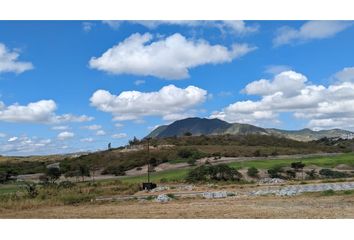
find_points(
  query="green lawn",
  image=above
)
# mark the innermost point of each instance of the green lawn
(180, 174)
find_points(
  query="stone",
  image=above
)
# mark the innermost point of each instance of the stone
(163, 198)
(215, 194)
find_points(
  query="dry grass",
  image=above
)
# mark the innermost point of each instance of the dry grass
(304, 206)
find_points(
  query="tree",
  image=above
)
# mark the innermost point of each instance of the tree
(83, 171)
(53, 174)
(253, 172)
(31, 189)
(187, 134)
(297, 166)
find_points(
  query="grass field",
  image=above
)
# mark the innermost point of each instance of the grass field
(180, 174)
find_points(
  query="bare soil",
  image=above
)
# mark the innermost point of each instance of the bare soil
(303, 206)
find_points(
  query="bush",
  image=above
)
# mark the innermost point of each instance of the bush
(253, 172)
(328, 173)
(191, 162)
(275, 172)
(75, 199)
(311, 174)
(53, 174)
(291, 174)
(66, 184)
(115, 170)
(31, 189)
(220, 172)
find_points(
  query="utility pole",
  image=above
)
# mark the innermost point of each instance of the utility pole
(148, 160)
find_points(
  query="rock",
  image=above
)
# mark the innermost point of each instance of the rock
(271, 181)
(163, 198)
(160, 188)
(215, 194)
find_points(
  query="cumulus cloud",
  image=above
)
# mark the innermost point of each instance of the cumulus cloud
(65, 135)
(100, 133)
(230, 26)
(12, 139)
(93, 127)
(86, 140)
(119, 135)
(311, 30)
(119, 125)
(169, 58)
(168, 102)
(321, 106)
(60, 128)
(9, 61)
(42, 111)
(24, 145)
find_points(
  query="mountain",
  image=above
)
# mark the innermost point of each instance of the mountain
(203, 126)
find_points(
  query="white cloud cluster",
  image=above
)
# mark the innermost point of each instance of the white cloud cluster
(100, 133)
(65, 135)
(119, 135)
(169, 102)
(9, 61)
(42, 111)
(93, 127)
(170, 58)
(60, 128)
(86, 139)
(323, 107)
(311, 30)
(230, 26)
(24, 145)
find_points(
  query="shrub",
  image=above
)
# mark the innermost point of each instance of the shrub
(291, 174)
(275, 172)
(53, 174)
(31, 189)
(75, 199)
(66, 184)
(253, 172)
(328, 173)
(220, 172)
(191, 162)
(115, 170)
(311, 174)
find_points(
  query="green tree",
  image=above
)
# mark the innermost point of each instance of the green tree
(298, 166)
(53, 174)
(253, 172)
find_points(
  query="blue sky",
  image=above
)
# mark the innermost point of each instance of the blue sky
(69, 86)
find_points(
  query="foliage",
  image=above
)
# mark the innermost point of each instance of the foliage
(297, 165)
(53, 174)
(253, 172)
(275, 172)
(290, 174)
(220, 172)
(31, 189)
(311, 174)
(328, 173)
(115, 170)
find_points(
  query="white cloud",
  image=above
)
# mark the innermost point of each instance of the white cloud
(276, 69)
(65, 135)
(131, 105)
(42, 111)
(9, 61)
(139, 82)
(86, 140)
(100, 133)
(229, 26)
(169, 58)
(60, 128)
(119, 135)
(288, 83)
(2, 135)
(93, 127)
(12, 139)
(311, 30)
(323, 107)
(345, 75)
(24, 144)
(87, 26)
(119, 125)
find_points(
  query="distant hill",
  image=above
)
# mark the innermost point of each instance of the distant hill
(204, 126)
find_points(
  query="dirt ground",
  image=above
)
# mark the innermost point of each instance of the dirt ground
(302, 206)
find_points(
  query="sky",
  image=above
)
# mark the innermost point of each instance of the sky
(70, 86)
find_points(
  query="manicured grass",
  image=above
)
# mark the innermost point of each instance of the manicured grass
(169, 176)
(180, 174)
(329, 161)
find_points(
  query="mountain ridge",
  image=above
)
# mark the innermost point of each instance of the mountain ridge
(204, 126)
